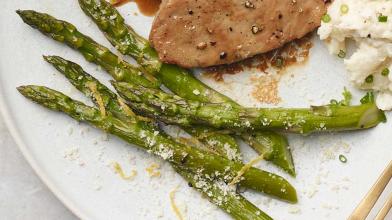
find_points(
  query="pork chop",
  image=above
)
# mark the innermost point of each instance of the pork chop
(201, 33)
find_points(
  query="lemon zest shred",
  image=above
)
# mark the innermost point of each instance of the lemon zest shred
(93, 88)
(149, 76)
(176, 210)
(128, 111)
(141, 118)
(189, 141)
(245, 168)
(118, 169)
(210, 133)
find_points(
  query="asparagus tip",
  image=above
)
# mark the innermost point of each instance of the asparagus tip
(292, 172)
(49, 58)
(21, 13)
(26, 90)
(21, 88)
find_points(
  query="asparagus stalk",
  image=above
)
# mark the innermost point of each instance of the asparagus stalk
(304, 121)
(65, 32)
(120, 70)
(231, 202)
(178, 80)
(152, 140)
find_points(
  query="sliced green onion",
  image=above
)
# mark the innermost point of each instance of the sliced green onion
(382, 18)
(368, 98)
(326, 18)
(385, 71)
(342, 158)
(344, 9)
(347, 97)
(369, 79)
(342, 54)
(334, 102)
(279, 62)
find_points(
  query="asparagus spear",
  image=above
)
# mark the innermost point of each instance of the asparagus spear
(153, 141)
(274, 147)
(128, 42)
(234, 204)
(43, 21)
(231, 202)
(221, 143)
(304, 121)
(178, 80)
(65, 32)
(120, 70)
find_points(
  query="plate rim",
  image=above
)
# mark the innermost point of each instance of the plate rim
(23, 148)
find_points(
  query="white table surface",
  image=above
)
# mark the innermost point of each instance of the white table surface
(22, 194)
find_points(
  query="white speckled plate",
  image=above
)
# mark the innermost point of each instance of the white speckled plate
(74, 160)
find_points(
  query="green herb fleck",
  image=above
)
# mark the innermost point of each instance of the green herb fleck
(385, 71)
(342, 54)
(279, 62)
(382, 18)
(369, 79)
(334, 102)
(342, 158)
(344, 9)
(326, 18)
(368, 98)
(347, 96)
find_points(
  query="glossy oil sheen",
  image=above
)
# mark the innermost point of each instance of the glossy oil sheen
(148, 7)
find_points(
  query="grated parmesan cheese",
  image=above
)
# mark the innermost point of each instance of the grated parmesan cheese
(294, 210)
(196, 92)
(232, 153)
(72, 154)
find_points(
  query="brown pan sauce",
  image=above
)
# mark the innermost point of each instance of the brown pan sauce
(146, 7)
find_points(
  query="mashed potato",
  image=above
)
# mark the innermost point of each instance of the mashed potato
(369, 24)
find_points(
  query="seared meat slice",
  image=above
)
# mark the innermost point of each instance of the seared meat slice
(201, 33)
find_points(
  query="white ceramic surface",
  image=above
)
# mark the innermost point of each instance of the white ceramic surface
(85, 181)
(22, 194)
